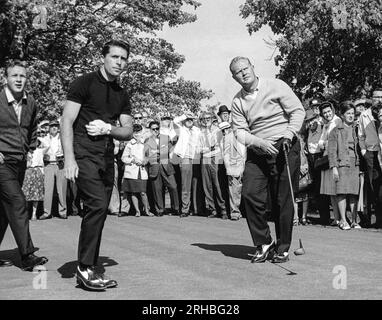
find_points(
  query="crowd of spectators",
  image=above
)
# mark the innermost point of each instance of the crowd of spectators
(199, 163)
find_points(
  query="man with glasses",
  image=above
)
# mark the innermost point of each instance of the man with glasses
(161, 171)
(210, 137)
(267, 116)
(370, 150)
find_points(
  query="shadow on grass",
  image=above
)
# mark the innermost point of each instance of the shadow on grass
(68, 270)
(230, 250)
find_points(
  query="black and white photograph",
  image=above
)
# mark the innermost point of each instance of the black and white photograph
(191, 157)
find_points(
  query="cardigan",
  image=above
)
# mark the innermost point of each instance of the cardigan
(16, 139)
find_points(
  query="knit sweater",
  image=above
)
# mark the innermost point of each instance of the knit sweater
(273, 113)
(16, 139)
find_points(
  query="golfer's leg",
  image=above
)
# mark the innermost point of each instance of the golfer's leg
(95, 204)
(254, 195)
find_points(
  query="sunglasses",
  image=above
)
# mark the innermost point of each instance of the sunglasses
(137, 118)
(155, 129)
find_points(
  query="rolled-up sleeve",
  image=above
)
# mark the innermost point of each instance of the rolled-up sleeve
(292, 107)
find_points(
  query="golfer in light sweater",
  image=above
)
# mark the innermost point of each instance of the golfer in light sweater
(266, 115)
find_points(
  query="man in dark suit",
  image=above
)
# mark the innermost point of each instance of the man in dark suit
(161, 171)
(18, 127)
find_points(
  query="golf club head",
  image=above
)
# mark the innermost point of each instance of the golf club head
(299, 252)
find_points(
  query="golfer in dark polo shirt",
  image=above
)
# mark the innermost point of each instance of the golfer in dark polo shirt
(95, 103)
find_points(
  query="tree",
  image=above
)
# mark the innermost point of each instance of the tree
(324, 44)
(63, 39)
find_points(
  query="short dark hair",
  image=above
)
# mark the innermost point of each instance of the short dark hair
(14, 63)
(154, 122)
(137, 127)
(115, 43)
(326, 104)
(345, 106)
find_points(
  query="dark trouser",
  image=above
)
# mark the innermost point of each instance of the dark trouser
(157, 187)
(95, 180)
(211, 186)
(321, 200)
(261, 171)
(374, 181)
(189, 184)
(13, 207)
(73, 200)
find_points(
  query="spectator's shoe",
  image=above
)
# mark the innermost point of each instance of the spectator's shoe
(138, 214)
(90, 280)
(344, 226)
(334, 223)
(280, 257)
(183, 215)
(235, 218)
(355, 225)
(160, 214)
(264, 252)
(224, 216)
(63, 216)
(150, 214)
(121, 214)
(30, 261)
(5, 263)
(45, 216)
(212, 215)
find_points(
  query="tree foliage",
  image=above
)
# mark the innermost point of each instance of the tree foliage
(335, 44)
(63, 39)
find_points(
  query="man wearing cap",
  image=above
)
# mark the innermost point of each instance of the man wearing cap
(267, 116)
(54, 175)
(314, 126)
(224, 113)
(234, 155)
(211, 158)
(18, 127)
(187, 150)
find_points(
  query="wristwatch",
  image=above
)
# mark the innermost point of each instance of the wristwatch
(106, 129)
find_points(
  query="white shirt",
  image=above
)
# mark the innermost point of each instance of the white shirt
(187, 146)
(17, 106)
(53, 145)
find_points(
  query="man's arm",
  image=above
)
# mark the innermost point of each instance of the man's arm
(293, 107)
(69, 115)
(243, 134)
(362, 135)
(99, 127)
(33, 132)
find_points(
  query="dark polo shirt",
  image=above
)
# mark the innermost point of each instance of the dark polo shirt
(99, 99)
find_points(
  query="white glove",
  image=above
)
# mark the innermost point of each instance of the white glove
(98, 127)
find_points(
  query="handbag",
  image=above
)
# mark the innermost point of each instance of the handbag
(304, 182)
(322, 163)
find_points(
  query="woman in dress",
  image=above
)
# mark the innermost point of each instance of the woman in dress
(328, 185)
(135, 175)
(33, 185)
(344, 163)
